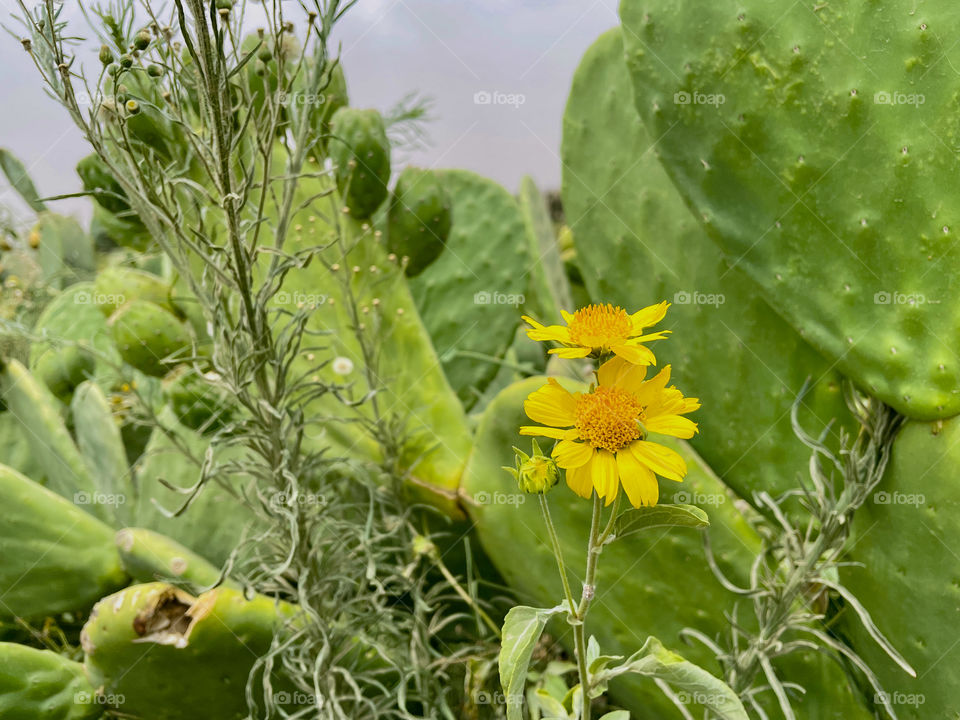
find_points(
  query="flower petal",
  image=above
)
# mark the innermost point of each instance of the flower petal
(578, 480)
(606, 479)
(636, 354)
(662, 460)
(637, 479)
(539, 331)
(673, 425)
(650, 315)
(650, 391)
(570, 352)
(572, 454)
(551, 405)
(620, 373)
(550, 432)
(567, 317)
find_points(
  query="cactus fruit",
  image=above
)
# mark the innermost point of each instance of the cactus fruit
(361, 152)
(196, 402)
(468, 298)
(173, 656)
(56, 557)
(149, 337)
(63, 369)
(148, 556)
(754, 106)
(419, 218)
(905, 546)
(628, 221)
(41, 685)
(117, 284)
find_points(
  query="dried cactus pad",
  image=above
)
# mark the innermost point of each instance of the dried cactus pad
(815, 146)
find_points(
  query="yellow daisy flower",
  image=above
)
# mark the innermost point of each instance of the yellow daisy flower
(598, 330)
(603, 433)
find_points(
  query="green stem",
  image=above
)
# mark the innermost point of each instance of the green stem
(579, 631)
(557, 552)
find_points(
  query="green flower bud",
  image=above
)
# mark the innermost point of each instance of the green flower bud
(154, 70)
(265, 55)
(106, 56)
(534, 473)
(142, 40)
(133, 107)
(126, 62)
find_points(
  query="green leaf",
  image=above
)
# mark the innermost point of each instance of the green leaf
(17, 175)
(655, 661)
(550, 707)
(647, 518)
(521, 629)
(616, 715)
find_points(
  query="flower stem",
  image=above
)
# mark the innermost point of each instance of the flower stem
(579, 631)
(557, 552)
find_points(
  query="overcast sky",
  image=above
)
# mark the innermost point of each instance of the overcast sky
(498, 72)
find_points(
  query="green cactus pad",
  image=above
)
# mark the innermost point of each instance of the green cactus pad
(20, 180)
(172, 656)
(196, 402)
(906, 537)
(469, 298)
(361, 152)
(38, 413)
(549, 287)
(56, 557)
(148, 556)
(637, 244)
(63, 369)
(164, 461)
(41, 685)
(101, 444)
(810, 142)
(419, 219)
(65, 250)
(117, 285)
(149, 337)
(641, 586)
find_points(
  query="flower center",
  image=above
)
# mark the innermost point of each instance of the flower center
(596, 326)
(609, 418)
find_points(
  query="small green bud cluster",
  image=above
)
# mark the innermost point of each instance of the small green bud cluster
(534, 473)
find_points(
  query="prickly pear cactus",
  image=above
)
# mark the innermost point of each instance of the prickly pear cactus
(810, 144)
(549, 286)
(629, 222)
(56, 557)
(906, 540)
(118, 284)
(41, 685)
(148, 556)
(469, 296)
(149, 337)
(361, 152)
(419, 218)
(173, 656)
(64, 248)
(63, 369)
(196, 402)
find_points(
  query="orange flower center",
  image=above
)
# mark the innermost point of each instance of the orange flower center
(596, 326)
(609, 418)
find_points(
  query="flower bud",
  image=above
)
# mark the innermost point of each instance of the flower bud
(142, 40)
(154, 70)
(126, 62)
(133, 107)
(106, 56)
(534, 473)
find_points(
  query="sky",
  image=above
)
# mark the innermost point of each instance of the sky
(497, 73)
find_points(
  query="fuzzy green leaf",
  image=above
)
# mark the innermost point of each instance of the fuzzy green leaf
(521, 629)
(647, 518)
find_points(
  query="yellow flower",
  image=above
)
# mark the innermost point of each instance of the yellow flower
(598, 330)
(603, 433)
